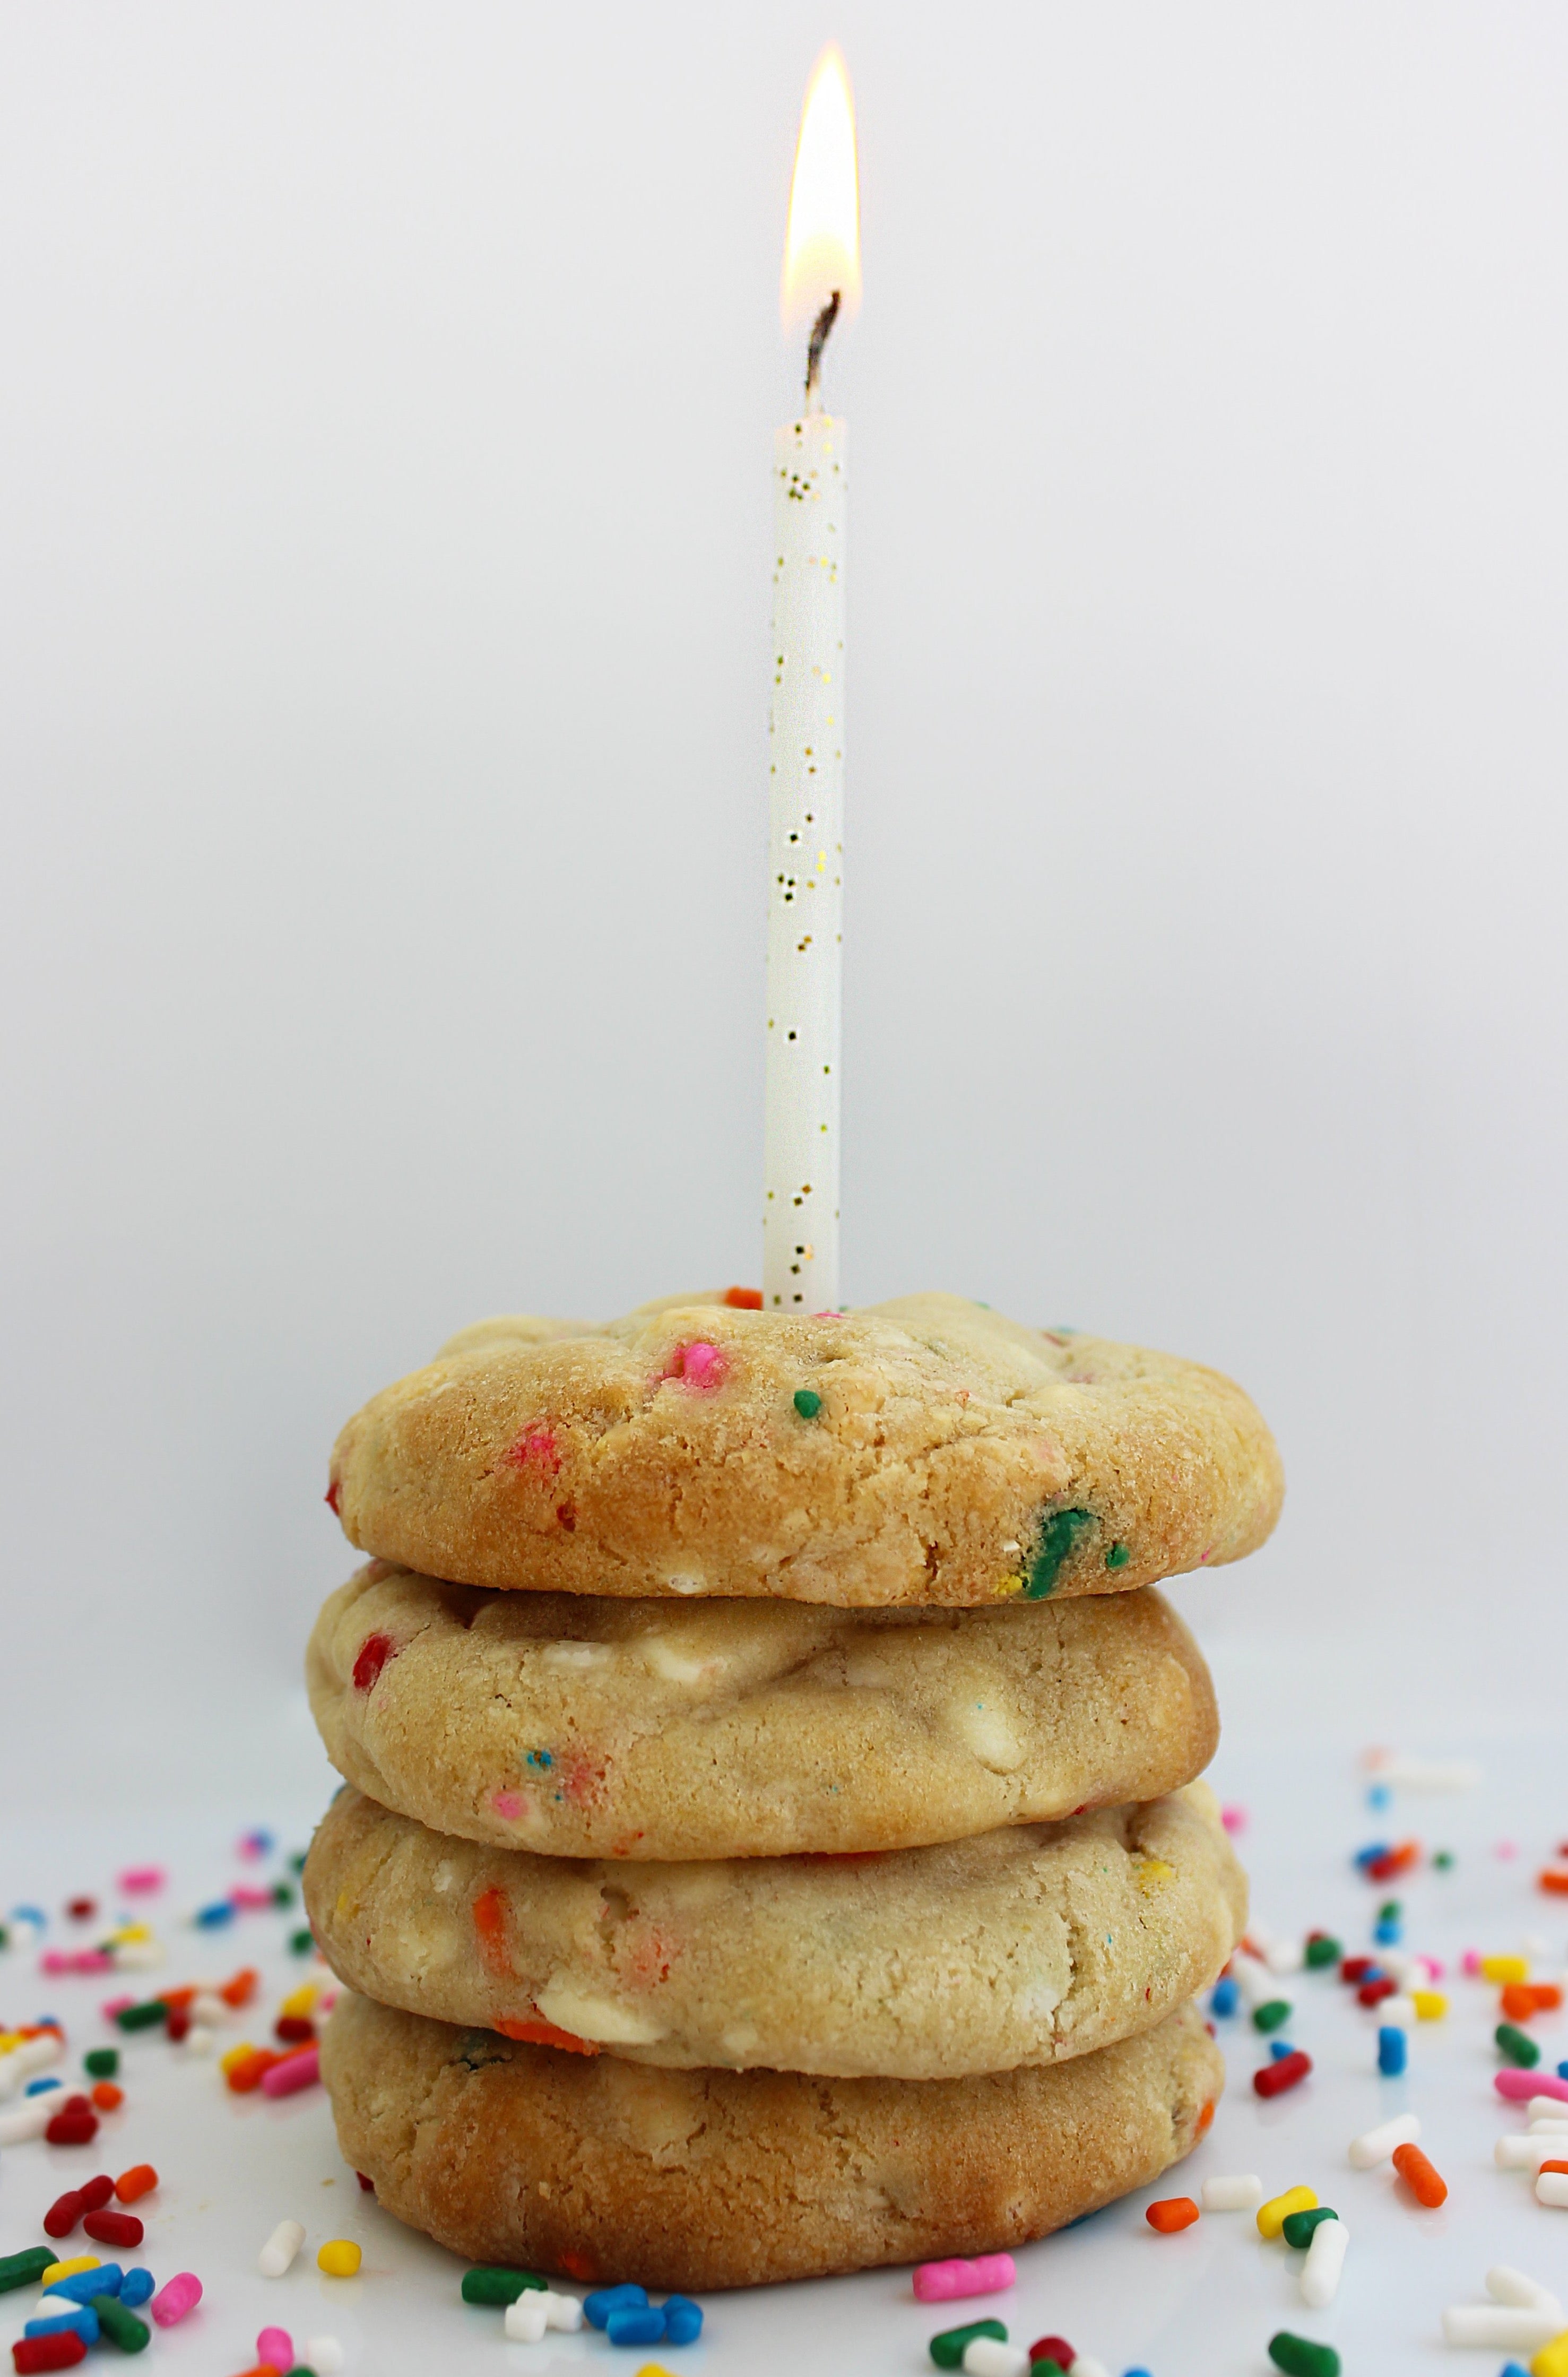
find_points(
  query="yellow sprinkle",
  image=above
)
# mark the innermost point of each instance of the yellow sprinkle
(1272, 2215)
(235, 2055)
(339, 2257)
(1506, 1969)
(1011, 1584)
(1431, 2004)
(1552, 2360)
(301, 2000)
(655, 2368)
(1152, 1872)
(58, 2270)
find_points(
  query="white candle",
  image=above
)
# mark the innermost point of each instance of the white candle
(806, 734)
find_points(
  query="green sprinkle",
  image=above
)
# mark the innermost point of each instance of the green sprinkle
(1443, 1860)
(1300, 2356)
(26, 2268)
(1272, 2016)
(120, 2325)
(297, 1862)
(1390, 1911)
(1324, 1951)
(1516, 2046)
(101, 2062)
(807, 1403)
(1057, 1537)
(301, 1943)
(5, 1937)
(947, 2349)
(1045, 2366)
(283, 1894)
(1118, 1556)
(494, 2285)
(142, 2017)
(1297, 2228)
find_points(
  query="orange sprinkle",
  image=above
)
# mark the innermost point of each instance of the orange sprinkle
(490, 1922)
(106, 2097)
(242, 1989)
(140, 2180)
(1205, 2118)
(1423, 2181)
(1554, 2165)
(1549, 1997)
(540, 2032)
(1556, 1883)
(743, 1299)
(1518, 2001)
(245, 2074)
(1171, 2213)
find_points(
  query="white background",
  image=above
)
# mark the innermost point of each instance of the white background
(385, 418)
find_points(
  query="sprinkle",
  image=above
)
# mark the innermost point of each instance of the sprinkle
(275, 2344)
(1273, 2015)
(281, 2249)
(1233, 1819)
(373, 1655)
(1551, 2186)
(1239, 2193)
(122, 2326)
(1501, 2327)
(1377, 2145)
(340, 2258)
(1272, 2216)
(181, 2294)
(140, 2180)
(1516, 2046)
(1224, 1997)
(1393, 2051)
(1053, 1548)
(1275, 2078)
(485, 2284)
(990, 2273)
(1053, 2348)
(947, 2349)
(1299, 2357)
(292, 2073)
(1424, 2183)
(25, 2268)
(1538, 2087)
(1170, 2214)
(48, 2352)
(1504, 1969)
(324, 2355)
(986, 2358)
(53, 2273)
(807, 1401)
(1324, 2262)
(1506, 2286)
(1298, 2227)
(113, 2228)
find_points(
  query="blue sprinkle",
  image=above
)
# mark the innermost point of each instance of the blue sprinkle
(1280, 2049)
(1512, 2368)
(635, 2323)
(34, 1914)
(1370, 1856)
(83, 2322)
(683, 2320)
(1393, 2051)
(597, 2306)
(1379, 1796)
(1387, 1931)
(1136, 2373)
(540, 1757)
(82, 2284)
(135, 2287)
(41, 2087)
(1225, 1996)
(210, 1918)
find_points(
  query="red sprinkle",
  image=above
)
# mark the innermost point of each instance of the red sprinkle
(1373, 1993)
(367, 2184)
(294, 2029)
(73, 2129)
(333, 1497)
(1053, 2348)
(114, 2227)
(536, 1449)
(61, 2351)
(64, 2213)
(1273, 2079)
(1356, 1968)
(95, 2193)
(81, 1910)
(375, 1652)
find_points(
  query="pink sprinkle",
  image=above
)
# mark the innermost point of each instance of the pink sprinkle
(701, 1365)
(172, 2302)
(301, 2071)
(276, 2346)
(247, 1894)
(1506, 1849)
(507, 1806)
(536, 1449)
(139, 1878)
(112, 2006)
(1520, 2086)
(1435, 1966)
(992, 2274)
(1472, 1961)
(1233, 1819)
(76, 1959)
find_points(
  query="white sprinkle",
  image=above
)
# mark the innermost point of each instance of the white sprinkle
(1398, 2011)
(564, 2312)
(1083, 2365)
(1547, 2128)
(1500, 2327)
(1551, 2186)
(525, 2319)
(138, 1956)
(208, 2007)
(1284, 1956)
(280, 2247)
(1254, 1980)
(199, 2040)
(1506, 2286)
(1547, 2109)
(1326, 2259)
(324, 2355)
(1512, 2151)
(1431, 1773)
(1375, 2145)
(1238, 2193)
(30, 2119)
(24, 2063)
(984, 2356)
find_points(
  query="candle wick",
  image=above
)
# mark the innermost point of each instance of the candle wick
(820, 329)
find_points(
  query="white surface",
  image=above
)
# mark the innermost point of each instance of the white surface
(381, 891)
(1207, 2298)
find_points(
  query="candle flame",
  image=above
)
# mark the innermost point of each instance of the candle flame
(821, 246)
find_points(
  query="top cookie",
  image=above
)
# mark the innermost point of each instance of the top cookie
(925, 1450)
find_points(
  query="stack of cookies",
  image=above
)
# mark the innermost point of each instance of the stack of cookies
(773, 1845)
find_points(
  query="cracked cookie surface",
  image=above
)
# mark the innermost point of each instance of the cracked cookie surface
(604, 2171)
(927, 1451)
(582, 1728)
(1027, 1945)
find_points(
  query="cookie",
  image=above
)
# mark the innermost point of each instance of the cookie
(1027, 1945)
(925, 1450)
(746, 1728)
(606, 2172)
